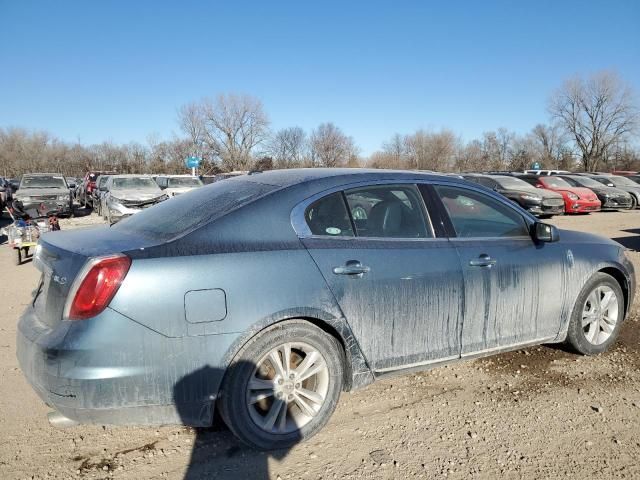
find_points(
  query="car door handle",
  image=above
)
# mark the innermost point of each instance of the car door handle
(352, 267)
(483, 260)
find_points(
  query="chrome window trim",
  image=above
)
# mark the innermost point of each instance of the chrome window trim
(304, 232)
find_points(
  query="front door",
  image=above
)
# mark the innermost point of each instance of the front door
(400, 289)
(513, 286)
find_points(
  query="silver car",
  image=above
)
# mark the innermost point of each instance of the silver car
(125, 195)
(266, 296)
(44, 189)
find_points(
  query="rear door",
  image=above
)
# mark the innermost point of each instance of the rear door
(397, 283)
(514, 288)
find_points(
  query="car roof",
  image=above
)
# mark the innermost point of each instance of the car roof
(129, 175)
(297, 176)
(42, 175)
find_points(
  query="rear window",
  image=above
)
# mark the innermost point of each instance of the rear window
(184, 213)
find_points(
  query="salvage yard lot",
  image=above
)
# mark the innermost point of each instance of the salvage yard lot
(535, 413)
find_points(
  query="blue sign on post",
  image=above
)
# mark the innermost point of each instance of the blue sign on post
(192, 162)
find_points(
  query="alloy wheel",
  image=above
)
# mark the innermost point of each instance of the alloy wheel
(287, 388)
(600, 315)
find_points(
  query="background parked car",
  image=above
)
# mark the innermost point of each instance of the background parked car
(50, 189)
(6, 193)
(72, 182)
(99, 193)
(540, 202)
(208, 179)
(85, 189)
(177, 184)
(621, 183)
(610, 198)
(576, 199)
(15, 184)
(126, 195)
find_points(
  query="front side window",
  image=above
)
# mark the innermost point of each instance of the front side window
(388, 211)
(474, 214)
(329, 217)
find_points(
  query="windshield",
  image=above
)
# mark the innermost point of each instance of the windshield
(184, 182)
(43, 181)
(555, 182)
(510, 182)
(184, 213)
(587, 182)
(135, 182)
(619, 181)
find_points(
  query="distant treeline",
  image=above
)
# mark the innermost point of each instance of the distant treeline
(593, 126)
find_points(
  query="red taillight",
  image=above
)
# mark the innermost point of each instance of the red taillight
(96, 285)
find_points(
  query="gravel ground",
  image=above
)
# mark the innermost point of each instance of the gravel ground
(536, 413)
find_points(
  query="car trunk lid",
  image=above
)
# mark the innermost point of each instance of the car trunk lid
(61, 255)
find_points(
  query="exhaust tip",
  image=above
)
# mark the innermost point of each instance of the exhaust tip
(56, 419)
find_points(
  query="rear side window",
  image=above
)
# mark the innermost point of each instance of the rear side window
(181, 214)
(476, 215)
(388, 211)
(329, 216)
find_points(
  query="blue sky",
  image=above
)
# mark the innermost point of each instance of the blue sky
(117, 70)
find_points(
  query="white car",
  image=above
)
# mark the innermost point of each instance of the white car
(174, 185)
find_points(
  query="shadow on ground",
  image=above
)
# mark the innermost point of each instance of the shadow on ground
(217, 453)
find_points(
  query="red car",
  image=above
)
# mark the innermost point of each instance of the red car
(576, 199)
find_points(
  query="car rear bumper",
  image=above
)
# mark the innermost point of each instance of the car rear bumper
(89, 379)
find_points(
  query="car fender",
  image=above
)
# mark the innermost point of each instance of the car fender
(358, 374)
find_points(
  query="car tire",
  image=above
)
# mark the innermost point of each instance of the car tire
(634, 203)
(253, 421)
(592, 330)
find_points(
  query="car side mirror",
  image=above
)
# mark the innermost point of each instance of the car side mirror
(543, 232)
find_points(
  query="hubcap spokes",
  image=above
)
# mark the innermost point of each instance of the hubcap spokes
(600, 315)
(287, 388)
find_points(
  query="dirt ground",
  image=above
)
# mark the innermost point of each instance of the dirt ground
(535, 413)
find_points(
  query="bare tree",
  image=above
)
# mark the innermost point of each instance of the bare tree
(330, 147)
(229, 128)
(596, 112)
(288, 147)
(470, 158)
(192, 121)
(549, 142)
(431, 150)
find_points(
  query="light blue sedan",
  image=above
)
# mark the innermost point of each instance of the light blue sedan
(267, 295)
